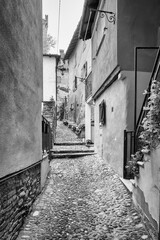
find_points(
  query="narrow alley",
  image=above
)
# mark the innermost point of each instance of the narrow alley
(84, 199)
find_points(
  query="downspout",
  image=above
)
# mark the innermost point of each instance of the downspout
(159, 207)
(56, 70)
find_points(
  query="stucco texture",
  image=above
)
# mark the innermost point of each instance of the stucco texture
(109, 138)
(104, 51)
(137, 27)
(147, 192)
(20, 84)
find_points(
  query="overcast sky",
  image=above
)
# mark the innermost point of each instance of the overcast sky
(71, 11)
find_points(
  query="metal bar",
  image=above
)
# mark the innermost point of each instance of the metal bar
(135, 100)
(101, 11)
(141, 115)
(124, 155)
(130, 143)
(135, 95)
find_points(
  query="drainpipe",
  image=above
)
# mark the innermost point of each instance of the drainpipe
(159, 207)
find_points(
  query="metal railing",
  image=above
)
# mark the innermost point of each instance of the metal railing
(154, 73)
(131, 138)
(128, 151)
(46, 136)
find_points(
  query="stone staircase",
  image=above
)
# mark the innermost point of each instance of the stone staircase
(71, 150)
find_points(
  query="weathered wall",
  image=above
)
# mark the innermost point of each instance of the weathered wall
(137, 27)
(49, 77)
(104, 52)
(109, 138)
(79, 57)
(20, 84)
(146, 192)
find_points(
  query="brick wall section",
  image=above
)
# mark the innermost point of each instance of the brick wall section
(17, 195)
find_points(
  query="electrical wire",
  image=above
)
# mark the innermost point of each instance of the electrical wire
(59, 14)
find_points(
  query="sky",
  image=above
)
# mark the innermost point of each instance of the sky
(70, 14)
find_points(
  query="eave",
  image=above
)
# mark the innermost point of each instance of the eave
(87, 19)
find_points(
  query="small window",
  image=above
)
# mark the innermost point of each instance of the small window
(75, 84)
(102, 113)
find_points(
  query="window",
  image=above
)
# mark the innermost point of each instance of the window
(75, 84)
(102, 113)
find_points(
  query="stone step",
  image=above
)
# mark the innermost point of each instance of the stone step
(71, 155)
(71, 151)
(68, 143)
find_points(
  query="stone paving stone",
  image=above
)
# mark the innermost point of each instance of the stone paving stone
(65, 134)
(85, 200)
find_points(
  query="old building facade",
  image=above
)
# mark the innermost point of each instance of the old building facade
(114, 36)
(78, 55)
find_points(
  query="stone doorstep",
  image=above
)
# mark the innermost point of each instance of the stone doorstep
(129, 184)
(70, 155)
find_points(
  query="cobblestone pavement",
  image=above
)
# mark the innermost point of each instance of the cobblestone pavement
(85, 200)
(64, 134)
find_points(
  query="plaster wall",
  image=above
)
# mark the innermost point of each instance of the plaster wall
(20, 84)
(146, 192)
(77, 101)
(104, 46)
(109, 138)
(79, 57)
(49, 78)
(45, 168)
(137, 27)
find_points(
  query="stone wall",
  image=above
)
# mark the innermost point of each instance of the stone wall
(17, 194)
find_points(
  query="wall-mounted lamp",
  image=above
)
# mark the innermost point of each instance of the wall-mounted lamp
(110, 16)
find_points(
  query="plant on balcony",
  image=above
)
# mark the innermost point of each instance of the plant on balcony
(150, 134)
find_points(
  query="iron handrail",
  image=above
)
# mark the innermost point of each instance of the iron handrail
(153, 76)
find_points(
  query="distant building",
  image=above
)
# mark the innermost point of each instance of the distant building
(50, 62)
(62, 87)
(78, 55)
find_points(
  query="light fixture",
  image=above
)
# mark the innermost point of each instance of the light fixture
(110, 16)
